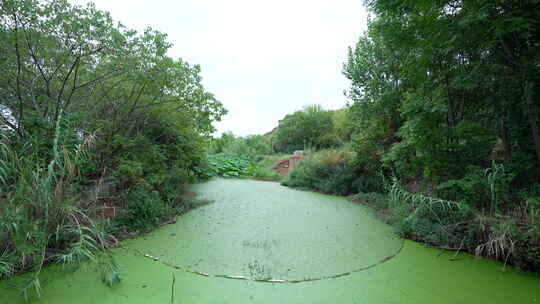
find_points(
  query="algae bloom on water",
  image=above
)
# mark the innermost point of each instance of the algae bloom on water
(259, 242)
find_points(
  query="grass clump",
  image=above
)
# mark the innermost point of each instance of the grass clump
(512, 237)
(263, 173)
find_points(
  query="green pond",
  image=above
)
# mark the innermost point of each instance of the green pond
(259, 242)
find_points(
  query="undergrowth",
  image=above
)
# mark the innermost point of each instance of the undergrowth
(333, 172)
(478, 213)
(41, 221)
(512, 238)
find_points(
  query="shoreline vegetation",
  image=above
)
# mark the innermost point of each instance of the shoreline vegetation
(417, 214)
(99, 130)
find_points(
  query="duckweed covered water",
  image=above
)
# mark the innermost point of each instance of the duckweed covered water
(260, 230)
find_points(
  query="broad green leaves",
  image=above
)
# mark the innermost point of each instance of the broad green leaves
(225, 165)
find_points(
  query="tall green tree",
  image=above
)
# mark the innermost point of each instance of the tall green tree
(449, 82)
(83, 100)
(310, 128)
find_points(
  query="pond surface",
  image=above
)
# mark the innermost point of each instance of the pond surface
(259, 242)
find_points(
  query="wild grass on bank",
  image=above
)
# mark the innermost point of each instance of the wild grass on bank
(267, 167)
(472, 214)
(265, 174)
(512, 238)
(41, 221)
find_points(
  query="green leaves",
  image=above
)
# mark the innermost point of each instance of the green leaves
(305, 129)
(146, 210)
(91, 101)
(75, 59)
(435, 84)
(442, 97)
(226, 166)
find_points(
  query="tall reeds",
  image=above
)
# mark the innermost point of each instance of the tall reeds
(40, 218)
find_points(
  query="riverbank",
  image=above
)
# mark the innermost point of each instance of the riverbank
(416, 275)
(508, 232)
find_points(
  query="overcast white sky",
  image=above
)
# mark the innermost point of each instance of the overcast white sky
(262, 59)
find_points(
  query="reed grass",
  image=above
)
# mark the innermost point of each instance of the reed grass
(40, 220)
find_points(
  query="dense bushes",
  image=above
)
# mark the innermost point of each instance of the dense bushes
(423, 111)
(92, 115)
(512, 237)
(434, 221)
(330, 171)
(336, 171)
(434, 115)
(43, 217)
(312, 128)
(145, 209)
(252, 147)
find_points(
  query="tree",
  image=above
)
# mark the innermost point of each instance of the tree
(435, 84)
(310, 128)
(83, 100)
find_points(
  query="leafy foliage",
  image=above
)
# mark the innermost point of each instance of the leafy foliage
(328, 171)
(226, 166)
(444, 97)
(433, 220)
(251, 147)
(232, 165)
(145, 210)
(310, 128)
(260, 172)
(84, 100)
(40, 221)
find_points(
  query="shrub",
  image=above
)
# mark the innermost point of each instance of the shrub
(310, 127)
(374, 199)
(145, 210)
(41, 220)
(263, 173)
(126, 118)
(330, 171)
(171, 186)
(480, 187)
(435, 221)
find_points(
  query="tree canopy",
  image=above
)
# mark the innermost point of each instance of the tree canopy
(87, 104)
(443, 85)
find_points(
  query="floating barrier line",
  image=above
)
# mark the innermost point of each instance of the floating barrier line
(267, 280)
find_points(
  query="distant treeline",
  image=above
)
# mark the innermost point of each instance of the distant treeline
(312, 128)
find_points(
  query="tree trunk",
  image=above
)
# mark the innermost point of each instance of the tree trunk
(536, 137)
(505, 141)
(533, 114)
